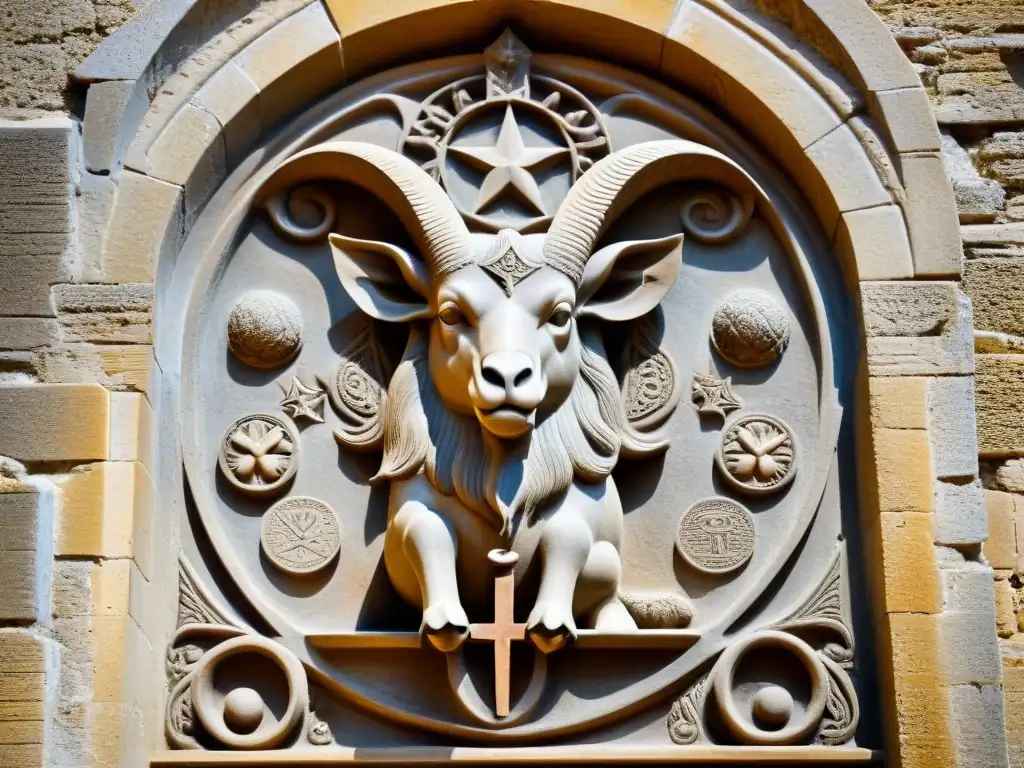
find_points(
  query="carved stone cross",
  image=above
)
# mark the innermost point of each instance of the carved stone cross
(504, 629)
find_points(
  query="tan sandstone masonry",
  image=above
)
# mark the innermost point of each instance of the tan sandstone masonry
(95, 214)
(969, 57)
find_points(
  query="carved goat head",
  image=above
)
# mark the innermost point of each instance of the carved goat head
(503, 308)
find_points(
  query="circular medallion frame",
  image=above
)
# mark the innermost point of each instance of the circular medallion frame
(760, 447)
(708, 528)
(251, 448)
(300, 524)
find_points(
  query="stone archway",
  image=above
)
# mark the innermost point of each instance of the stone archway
(838, 108)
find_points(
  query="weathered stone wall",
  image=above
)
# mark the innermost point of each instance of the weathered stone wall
(970, 56)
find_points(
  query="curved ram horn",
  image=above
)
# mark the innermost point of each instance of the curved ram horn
(423, 207)
(622, 178)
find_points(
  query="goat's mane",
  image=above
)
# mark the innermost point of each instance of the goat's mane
(582, 439)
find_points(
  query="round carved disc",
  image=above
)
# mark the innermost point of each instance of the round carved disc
(300, 535)
(265, 329)
(259, 453)
(757, 454)
(716, 535)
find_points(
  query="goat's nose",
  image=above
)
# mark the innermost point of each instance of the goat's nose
(507, 370)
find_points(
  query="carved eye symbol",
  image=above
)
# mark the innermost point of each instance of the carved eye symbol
(561, 315)
(450, 314)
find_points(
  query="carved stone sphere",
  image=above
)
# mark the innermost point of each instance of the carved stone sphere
(265, 329)
(750, 329)
(773, 706)
(243, 710)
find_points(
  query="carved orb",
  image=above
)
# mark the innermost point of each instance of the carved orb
(265, 329)
(750, 329)
(243, 710)
(773, 706)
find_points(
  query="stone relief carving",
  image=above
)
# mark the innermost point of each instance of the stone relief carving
(499, 261)
(716, 535)
(757, 454)
(714, 395)
(259, 454)
(302, 402)
(750, 329)
(265, 329)
(300, 535)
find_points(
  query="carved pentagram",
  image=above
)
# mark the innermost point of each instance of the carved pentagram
(300, 535)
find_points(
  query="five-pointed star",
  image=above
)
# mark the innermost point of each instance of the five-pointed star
(507, 163)
(302, 402)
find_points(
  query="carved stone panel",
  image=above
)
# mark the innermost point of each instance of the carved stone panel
(436, 446)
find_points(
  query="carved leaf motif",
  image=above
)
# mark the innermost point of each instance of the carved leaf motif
(193, 606)
(842, 711)
(823, 609)
(181, 717)
(684, 719)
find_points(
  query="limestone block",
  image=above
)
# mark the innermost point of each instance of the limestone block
(231, 96)
(1001, 157)
(105, 313)
(20, 522)
(95, 203)
(1001, 546)
(1006, 618)
(25, 280)
(960, 517)
(965, 586)
(110, 586)
(951, 352)
(37, 199)
(996, 288)
(28, 332)
(903, 459)
(932, 216)
(952, 426)
(54, 422)
(998, 391)
(24, 587)
(978, 97)
(909, 574)
(25, 660)
(108, 647)
(907, 113)
(899, 403)
(846, 178)
(977, 715)
(96, 510)
(131, 428)
(189, 153)
(143, 511)
(969, 648)
(145, 225)
(873, 243)
(908, 308)
(1013, 695)
(103, 140)
(294, 62)
(977, 199)
(108, 720)
(72, 589)
(993, 234)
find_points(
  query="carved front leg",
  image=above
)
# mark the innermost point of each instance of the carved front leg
(422, 542)
(564, 548)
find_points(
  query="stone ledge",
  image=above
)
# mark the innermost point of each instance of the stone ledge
(55, 422)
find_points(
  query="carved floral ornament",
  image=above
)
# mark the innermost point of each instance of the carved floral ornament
(543, 269)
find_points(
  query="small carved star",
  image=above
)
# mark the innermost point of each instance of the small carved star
(507, 164)
(302, 402)
(715, 394)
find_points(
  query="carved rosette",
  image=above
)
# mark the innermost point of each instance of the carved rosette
(780, 686)
(204, 710)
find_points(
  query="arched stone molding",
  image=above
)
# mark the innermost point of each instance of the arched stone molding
(825, 91)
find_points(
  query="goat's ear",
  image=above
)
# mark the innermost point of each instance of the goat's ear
(386, 282)
(625, 280)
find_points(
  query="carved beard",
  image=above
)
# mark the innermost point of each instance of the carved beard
(581, 439)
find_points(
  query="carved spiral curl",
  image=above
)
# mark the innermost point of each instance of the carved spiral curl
(287, 207)
(714, 216)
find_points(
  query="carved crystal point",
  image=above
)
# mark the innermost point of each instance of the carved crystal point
(508, 67)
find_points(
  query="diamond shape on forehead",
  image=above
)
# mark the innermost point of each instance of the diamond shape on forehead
(509, 268)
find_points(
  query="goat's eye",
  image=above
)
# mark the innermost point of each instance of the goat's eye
(450, 314)
(561, 315)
